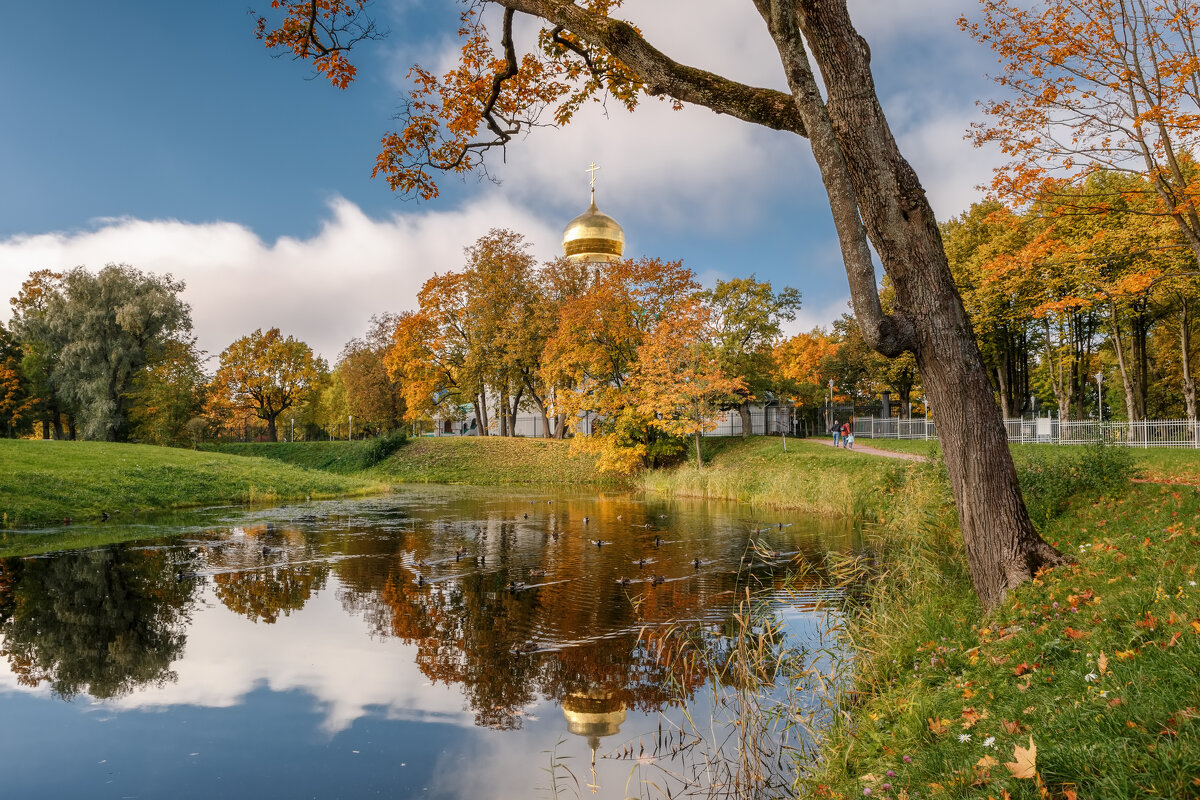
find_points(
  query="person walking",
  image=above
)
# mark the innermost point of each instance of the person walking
(837, 433)
(846, 432)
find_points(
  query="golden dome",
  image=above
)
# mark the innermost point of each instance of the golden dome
(593, 714)
(593, 236)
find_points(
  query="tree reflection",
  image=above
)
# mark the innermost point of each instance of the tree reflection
(103, 621)
(256, 575)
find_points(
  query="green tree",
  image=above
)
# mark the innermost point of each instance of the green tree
(40, 347)
(266, 374)
(168, 393)
(102, 621)
(748, 319)
(107, 326)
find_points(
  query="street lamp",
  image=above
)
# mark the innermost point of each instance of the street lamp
(829, 416)
(1099, 396)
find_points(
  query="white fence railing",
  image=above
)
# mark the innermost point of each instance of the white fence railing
(1045, 430)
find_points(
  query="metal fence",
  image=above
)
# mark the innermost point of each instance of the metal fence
(1046, 430)
(769, 421)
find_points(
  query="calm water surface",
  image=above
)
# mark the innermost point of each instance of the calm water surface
(375, 648)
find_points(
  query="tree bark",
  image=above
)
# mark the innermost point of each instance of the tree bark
(747, 423)
(1185, 345)
(699, 458)
(864, 172)
(271, 435)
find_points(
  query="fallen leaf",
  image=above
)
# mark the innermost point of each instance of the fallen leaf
(1116, 701)
(1174, 638)
(1196, 625)
(1071, 633)
(1024, 686)
(1010, 727)
(970, 716)
(1102, 663)
(1021, 669)
(1125, 655)
(939, 726)
(987, 762)
(1024, 763)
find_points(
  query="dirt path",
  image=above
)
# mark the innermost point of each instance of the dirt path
(872, 451)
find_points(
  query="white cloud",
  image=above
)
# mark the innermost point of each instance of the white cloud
(229, 656)
(322, 289)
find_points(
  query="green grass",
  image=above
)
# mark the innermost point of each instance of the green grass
(344, 458)
(931, 668)
(810, 476)
(490, 461)
(44, 482)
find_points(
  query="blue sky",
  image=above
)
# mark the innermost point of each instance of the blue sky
(165, 136)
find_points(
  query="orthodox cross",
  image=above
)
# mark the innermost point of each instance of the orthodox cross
(592, 169)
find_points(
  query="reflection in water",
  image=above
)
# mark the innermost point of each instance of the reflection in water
(505, 598)
(104, 622)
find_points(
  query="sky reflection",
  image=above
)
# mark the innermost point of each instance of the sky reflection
(303, 653)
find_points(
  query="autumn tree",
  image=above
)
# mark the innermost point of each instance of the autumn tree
(748, 315)
(594, 351)
(802, 365)
(266, 374)
(984, 244)
(370, 393)
(40, 347)
(679, 378)
(489, 97)
(168, 393)
(14, 395)
(1098, 85)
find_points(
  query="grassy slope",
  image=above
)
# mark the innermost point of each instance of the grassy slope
(344, 458)
(931, 668)
(810, 476)
(489, 461)
(45, 481)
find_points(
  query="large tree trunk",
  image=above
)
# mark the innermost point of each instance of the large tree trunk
(747, 423)
(864, 173)
(271, 436)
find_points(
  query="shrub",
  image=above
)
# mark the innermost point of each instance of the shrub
(1051, 476)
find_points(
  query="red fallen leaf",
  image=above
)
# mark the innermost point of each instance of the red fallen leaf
(1150, 622)
(1071, 633)
(1174, 638)
(1116, 701)
(1010, 727)
(1021, 669)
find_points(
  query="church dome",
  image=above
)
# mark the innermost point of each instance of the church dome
(593, 236)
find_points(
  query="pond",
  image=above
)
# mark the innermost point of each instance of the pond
(436, 642)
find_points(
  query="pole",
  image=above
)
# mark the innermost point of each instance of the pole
(293, 430)
(1100, 399)
(350, 430)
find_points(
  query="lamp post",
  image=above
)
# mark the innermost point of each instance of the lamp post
(1099, 396)
(293, 430)
(829, 416)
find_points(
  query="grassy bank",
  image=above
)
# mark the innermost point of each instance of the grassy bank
(1096, 664)
(811, 477)
(45, 482)
(343, 458)
(490, 461)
